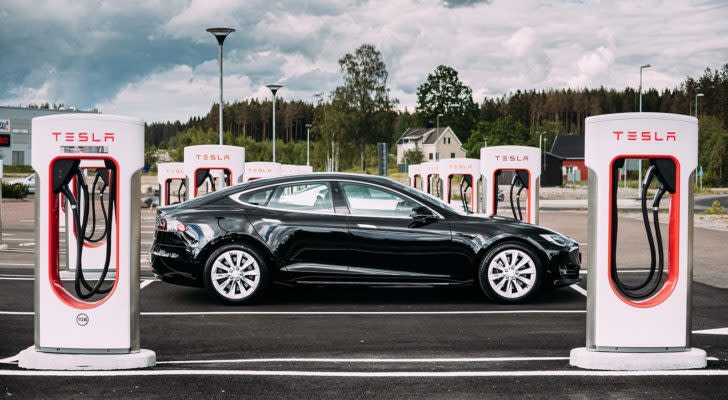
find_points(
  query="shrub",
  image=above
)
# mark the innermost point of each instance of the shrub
(15, 191)
(715, 209)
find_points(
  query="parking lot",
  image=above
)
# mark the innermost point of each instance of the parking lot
(364, 342)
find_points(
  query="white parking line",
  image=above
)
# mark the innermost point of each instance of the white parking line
(367, 360)
(14, 278)
(386, 374)
(145, 283)
(465, 312)
(578, 289)
(14, 264)
(212, 313)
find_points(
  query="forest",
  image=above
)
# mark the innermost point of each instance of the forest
(349, 121)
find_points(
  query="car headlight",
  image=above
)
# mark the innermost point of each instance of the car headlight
(559, 240)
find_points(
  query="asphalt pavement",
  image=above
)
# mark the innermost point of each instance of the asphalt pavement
(364, 342)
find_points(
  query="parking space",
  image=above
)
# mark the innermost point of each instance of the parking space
(378, 343)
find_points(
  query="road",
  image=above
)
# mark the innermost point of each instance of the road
(364, 342)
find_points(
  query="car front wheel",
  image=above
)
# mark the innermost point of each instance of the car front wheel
(236, 274)
(511, 272)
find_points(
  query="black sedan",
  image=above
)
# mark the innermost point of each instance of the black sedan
(346, 229)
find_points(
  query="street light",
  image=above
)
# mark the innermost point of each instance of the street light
(696, 103)
(220, 34)
(274, 89)
(308, 144)
(641, 68)
(639, 168)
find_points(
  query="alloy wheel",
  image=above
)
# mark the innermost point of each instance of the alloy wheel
(235, 274)
(512, 274)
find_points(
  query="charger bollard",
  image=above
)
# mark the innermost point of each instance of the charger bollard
(260, 170)
(211, 167)
(429, 171)
(87, 325)
(525, 164)
(414, 174)
(638, 322)
(172, 183)
(469, 170)
(292, 169)
(91, 190)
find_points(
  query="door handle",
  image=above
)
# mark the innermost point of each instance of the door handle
(366, 226)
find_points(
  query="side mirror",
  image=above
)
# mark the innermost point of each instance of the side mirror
(422, 214)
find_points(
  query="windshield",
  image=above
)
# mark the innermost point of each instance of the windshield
(416, 192)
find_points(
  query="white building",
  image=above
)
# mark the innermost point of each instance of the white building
(434, 144)
(15, 131)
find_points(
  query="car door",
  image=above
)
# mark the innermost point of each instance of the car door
(387, 242)
(301, 226)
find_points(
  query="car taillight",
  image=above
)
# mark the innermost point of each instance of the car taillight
(161, 222)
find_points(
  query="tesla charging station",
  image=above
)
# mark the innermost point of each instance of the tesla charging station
(643, 323)
(525, 162)
(260, 170)
(89, 190)
(167, 175)
(87, 325)
(469, 170)
(414, 172)
(291, 169)
(428, 172)
(212, 165)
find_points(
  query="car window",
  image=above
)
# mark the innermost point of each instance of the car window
(256, 197)
(369, 200)
(309, 196)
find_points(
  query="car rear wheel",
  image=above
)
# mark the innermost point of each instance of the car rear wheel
(236, 274)
(511, 272)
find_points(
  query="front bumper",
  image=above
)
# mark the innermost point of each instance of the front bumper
(565, 267)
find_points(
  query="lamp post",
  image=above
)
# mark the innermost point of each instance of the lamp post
(274, 90)
(220, 34)
(641, 68)
(639, 168)
(308, 144)
(696, 103)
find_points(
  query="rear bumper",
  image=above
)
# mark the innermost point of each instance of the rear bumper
(175, 265)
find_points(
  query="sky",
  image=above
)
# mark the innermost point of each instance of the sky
(154, 59)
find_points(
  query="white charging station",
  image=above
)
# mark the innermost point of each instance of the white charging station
(649, 328)
(96, 328)
(414, 174)
(429, 171)
(94, 253)
(261, 169)
(525, 163)
(469, 170)
(212, 167)
(167, 175)
(292, 169)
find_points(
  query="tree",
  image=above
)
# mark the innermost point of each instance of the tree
(363, 99)
(444, 93)
(413, 156)
(503, 131)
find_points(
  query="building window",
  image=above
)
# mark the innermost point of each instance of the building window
(452, 155)
(430, 156)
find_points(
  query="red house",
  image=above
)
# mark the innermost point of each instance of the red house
(570, 149)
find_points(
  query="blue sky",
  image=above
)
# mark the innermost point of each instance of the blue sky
(154, 60)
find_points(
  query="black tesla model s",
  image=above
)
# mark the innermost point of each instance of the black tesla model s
(347, 229)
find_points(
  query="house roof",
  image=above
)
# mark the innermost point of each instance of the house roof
(428, 135)
(568, 147)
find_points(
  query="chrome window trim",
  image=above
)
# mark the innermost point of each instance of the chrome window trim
(234, 197)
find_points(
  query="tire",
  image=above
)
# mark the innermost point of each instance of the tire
(500, 280)
(241, 275)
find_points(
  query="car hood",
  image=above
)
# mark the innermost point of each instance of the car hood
(496, 226)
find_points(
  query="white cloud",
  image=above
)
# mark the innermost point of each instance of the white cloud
(168, 69)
